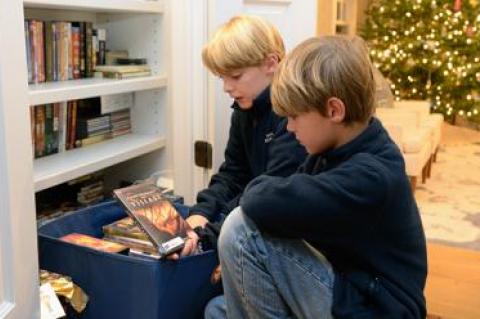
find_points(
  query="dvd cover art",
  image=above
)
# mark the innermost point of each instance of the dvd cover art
(155, 215)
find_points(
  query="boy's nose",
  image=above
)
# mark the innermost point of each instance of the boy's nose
(227, 87)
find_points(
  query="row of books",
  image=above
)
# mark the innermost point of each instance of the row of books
(60, 50)
(57, 127)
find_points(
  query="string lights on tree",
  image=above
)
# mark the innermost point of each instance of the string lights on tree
(429, 49)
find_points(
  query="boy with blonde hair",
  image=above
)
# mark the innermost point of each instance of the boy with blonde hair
(244, 53)
(341, 238)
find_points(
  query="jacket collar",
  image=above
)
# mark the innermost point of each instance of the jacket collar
(261, 105)
(367, 142)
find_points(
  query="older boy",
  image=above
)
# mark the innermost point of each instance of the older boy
(342, 237)
(245, 53)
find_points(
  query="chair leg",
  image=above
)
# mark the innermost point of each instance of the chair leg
(435, 154)
(429, 166)
(413, 183)
(424, 173)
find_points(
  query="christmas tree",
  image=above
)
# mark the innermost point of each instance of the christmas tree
(428, 50)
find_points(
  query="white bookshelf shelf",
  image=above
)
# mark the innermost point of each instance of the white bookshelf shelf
(140, 6)
(51, 92)
(59, 168)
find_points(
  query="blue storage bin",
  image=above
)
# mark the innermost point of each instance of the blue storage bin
(121, 286)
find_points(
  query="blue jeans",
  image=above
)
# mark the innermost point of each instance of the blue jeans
(269, 277)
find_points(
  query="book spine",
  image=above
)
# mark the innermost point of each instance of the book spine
(28, 47)
(94, 49)
(55, 48)
(102, 37)
(61, 126)
(88, 50)
(41, 52)
(68, 30)
(49, 51)
(48, 129)
(73, 129)
(39, 131)
(32, 127)
(56, 127)
(68, 125)
(82, 50)
(34, 44)
(64, 52)
(76, 51)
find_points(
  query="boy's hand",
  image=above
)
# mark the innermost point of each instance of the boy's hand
(197, 220)
(192, 238)
(189, 248)
(216, 275)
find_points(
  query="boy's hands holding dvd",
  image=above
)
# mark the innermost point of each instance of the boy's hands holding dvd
(190, 247)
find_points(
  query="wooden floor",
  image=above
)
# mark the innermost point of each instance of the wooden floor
(453, 283)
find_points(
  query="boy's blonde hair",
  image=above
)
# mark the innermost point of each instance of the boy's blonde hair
(321, 68)
(244, 41)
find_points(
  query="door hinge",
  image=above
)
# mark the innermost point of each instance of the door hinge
(203, 154)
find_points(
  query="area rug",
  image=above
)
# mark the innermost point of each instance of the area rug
(449, 201)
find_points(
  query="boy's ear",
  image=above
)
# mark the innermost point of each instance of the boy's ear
(271, 63)
(335, 109)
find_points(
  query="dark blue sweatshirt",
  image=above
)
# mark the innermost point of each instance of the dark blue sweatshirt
(355, 205)
(258, 143)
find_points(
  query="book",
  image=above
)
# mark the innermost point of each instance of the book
(155, 215)
(133, 243)
(125, 227)
(92, 242)
(122, 68)
(143, 254)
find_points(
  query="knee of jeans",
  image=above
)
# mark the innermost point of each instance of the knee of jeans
(215, 308)
(231, 229)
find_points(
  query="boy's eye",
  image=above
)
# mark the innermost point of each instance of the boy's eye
(236, 76)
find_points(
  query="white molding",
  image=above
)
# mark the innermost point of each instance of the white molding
(96, 5)
(6, 308)
(189, 93)
(51, 92)
(18, 242)
(58, 168)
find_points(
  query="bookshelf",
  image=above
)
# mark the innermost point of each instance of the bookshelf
(139, 27)
(58, 168)
(98, 6)
(50, 92)
(161, 134)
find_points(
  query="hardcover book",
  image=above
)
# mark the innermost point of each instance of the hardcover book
(155, 215)
(92, 242)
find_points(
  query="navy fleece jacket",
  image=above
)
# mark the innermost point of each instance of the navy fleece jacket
(355, 205)
(258, 143)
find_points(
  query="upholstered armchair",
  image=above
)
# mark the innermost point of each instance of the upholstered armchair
(414, 140)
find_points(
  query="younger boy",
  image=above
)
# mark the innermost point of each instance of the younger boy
(342, 237)
(245, 53)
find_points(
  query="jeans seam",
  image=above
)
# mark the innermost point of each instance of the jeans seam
(243, 241)
(300, 265)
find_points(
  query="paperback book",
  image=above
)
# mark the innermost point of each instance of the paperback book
(155, 215)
